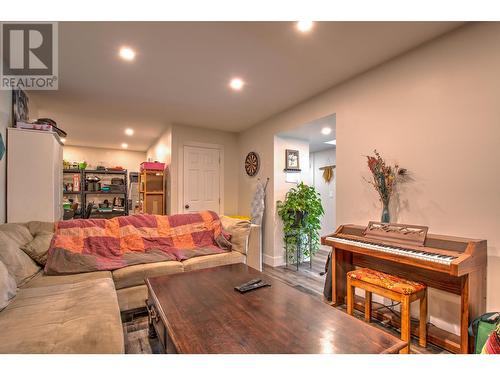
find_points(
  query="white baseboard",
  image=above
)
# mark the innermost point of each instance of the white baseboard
(274, 261)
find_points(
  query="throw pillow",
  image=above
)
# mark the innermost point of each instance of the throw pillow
(39, 247)
(239, 230)
(8, 287)
(19, 264)
(17, 232)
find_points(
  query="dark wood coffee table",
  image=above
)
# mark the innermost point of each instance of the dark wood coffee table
(200, 312)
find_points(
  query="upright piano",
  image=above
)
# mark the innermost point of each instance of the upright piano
(452, 264)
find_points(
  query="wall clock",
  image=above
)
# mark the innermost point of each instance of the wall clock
(252, 163)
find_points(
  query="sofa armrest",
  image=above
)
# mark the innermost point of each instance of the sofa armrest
(254, 247)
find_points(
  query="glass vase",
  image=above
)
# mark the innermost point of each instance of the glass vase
(386, 217)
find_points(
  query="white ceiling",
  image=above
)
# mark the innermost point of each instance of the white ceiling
(311, 133)
(182, 69)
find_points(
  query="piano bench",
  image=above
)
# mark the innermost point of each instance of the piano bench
(395, 288)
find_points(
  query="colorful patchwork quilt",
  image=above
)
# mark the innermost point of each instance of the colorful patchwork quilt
(86, 245)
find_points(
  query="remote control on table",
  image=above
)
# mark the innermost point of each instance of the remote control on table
(247, 288)
(253, 281)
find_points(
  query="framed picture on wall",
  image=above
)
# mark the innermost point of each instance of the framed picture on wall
(292, 160)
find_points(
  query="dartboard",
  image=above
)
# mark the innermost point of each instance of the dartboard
(252, 163)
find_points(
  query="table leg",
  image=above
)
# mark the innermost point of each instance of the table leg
(368, 306)
(405, 323)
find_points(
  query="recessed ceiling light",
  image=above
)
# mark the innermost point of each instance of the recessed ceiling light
(129, 131)
(332, 142)
(63, 140)
(326, 130)
(304, 26)
(124, 145)
(236, 84)
(127, 53)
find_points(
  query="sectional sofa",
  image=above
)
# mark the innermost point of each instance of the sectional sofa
(80, 313)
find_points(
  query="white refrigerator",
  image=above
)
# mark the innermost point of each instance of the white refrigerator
(34, 176)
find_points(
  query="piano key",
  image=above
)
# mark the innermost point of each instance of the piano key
(424, 255)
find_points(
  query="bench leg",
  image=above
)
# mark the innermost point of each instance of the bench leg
(422, 340)
(350, 296)
(368, 306)
(405, 323)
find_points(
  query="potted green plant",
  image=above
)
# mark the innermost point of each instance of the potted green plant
(301, 212)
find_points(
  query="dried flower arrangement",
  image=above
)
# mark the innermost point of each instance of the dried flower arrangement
(385, 177)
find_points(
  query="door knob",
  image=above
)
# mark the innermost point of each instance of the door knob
(186, 206)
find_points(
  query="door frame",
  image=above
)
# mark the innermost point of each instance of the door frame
(180, 185)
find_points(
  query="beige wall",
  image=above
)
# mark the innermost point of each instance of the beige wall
(281, 186)
(129, 160)
(325, 189)
(161, 151)
(435, 111)
(5, 120)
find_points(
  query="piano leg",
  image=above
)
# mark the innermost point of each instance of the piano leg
(341, 264)
(464, 315)
(422, 331)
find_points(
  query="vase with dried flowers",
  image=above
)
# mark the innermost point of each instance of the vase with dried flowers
(385, 178)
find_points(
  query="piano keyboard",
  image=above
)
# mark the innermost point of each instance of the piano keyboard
(412, 253)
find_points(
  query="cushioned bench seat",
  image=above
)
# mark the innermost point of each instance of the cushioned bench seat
(386, 281)
(397, 289)
(81, 317)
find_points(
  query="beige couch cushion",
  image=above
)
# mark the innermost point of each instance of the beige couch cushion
(74, 318)
(36, 227)
(19, 233)
(19, 264)
(8, 286)
(207, 261)
(239, 231)
(41, 279)
(135, 275)
(39, 247)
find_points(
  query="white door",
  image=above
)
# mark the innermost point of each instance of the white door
(201, 190)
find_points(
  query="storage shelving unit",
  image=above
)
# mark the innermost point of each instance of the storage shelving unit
(152, 192)
(75, 194)
(88, 194)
